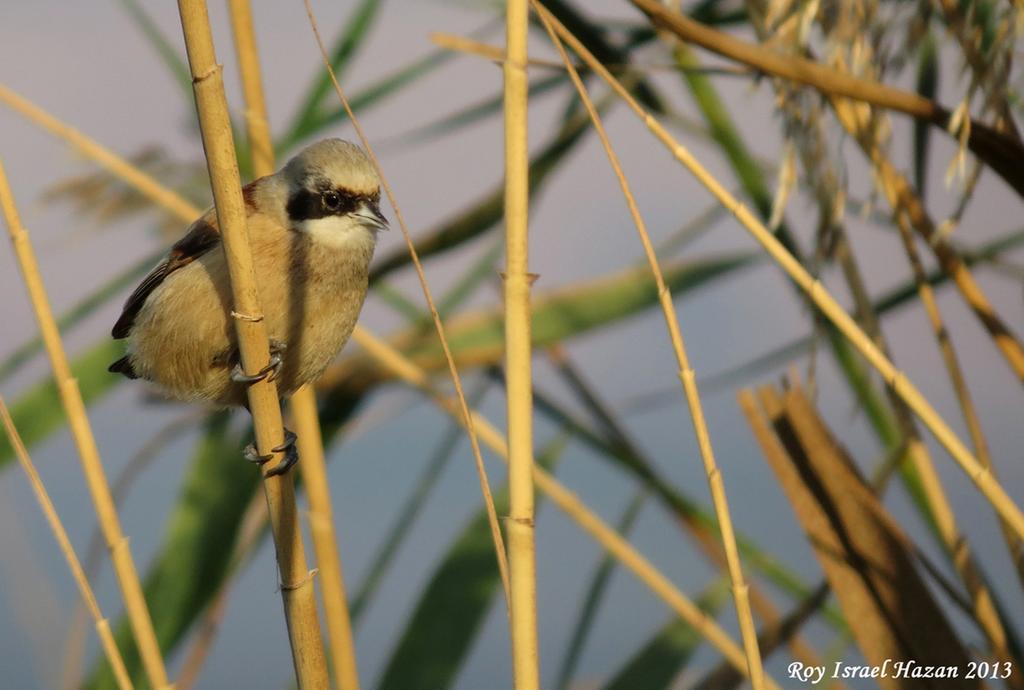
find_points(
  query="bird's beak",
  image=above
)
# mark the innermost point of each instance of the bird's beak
(369, 214)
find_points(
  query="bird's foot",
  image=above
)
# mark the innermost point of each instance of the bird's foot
(272, 369)
(291, 455)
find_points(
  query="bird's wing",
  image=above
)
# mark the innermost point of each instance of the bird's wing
(201, 237)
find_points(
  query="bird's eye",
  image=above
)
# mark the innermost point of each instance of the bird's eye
(332, 200)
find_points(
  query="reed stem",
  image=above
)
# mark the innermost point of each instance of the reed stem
(57, 527)
(740, 589)
(485, 488)
(96, 479)
(303, 403)
(297, 589)
(520, 525)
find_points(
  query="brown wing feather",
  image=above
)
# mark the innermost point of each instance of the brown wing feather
(202, 236)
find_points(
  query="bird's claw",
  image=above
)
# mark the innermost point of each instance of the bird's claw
(272, 369)
(291, 455)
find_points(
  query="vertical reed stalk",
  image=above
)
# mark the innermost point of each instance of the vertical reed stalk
(325, 541)
(485, 489)
(520, 525)
(297, 589)
(81, 431)
(102, 624)
(740, 590)
(570, 504)
(303, 401)
(982, 478)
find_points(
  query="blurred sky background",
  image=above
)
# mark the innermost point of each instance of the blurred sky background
(87, 64)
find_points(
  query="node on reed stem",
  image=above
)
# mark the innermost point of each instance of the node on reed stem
(297, 589)
(303, 401)
(517, 281)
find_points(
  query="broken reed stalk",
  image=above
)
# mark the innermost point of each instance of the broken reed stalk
(485, 488)
(520, 525)
(297, 589)
(740, 590)
(102, 624)
(982, 478)
(403, 368)
(306, 421)
(81, 431)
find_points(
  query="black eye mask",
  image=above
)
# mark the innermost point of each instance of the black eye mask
(309, 205)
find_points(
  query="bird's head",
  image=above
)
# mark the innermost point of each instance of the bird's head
(333, 192)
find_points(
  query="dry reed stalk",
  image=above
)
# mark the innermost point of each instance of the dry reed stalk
(485, 489)
(982, 609)
(325, 540)
(831, 309)
(117, 165)
(517, 280)
(306, 421)
(297, 589)
(688, 377)
(102, 624)
(461, 44)
(261, 147)
(74, 646)
(775, 627)
(570, 504)
(146, 185)
(81, 431)
(956, 377)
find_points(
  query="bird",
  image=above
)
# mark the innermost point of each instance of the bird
(313, 228)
